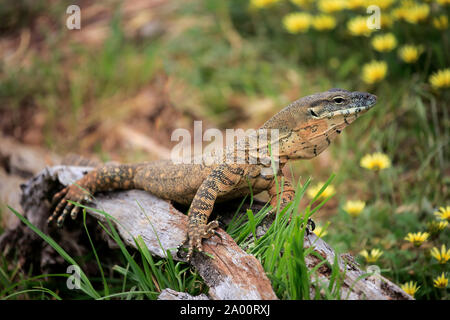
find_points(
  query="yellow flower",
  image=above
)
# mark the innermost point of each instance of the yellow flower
(302, 3)
(399, 13)
(324, 22)
(355, 4)
(410, 53)
(383, 4)
(374, 71)
(313, 191)
(330, 6)
(441, 79)
(437, 226)
(375, 161)
(443, 2)
(260, 4)
(320, 231)
(417, 13)
(354, 208)
(443, 213)
(297, 22)
(417, 238)
(441, 22)
(386, 20)
(371, 256)
(410, 288)
(441, 256)
(358, 26)
(440, 282)
(384, 43)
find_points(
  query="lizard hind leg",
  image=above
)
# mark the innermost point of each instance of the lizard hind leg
(105, 178)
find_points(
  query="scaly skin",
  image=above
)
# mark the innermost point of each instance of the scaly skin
(304, 129)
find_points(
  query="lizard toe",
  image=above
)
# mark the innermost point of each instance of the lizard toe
(190, 251)
(210, 230)
(195, 243)
(58, 196)
(64, 214)
(61, 205)
(198, 244)
(74, 212)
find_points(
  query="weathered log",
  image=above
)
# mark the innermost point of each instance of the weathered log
(231, 274)
(169, 294)
(356, 286)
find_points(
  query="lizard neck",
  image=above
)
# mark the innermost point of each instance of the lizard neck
(299, 137)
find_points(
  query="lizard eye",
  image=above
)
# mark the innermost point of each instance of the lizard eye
(339, 100)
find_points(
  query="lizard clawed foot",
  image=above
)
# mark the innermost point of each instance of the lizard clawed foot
(63, 207)
(199, 233)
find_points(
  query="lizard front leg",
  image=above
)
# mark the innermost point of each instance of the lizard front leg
(286, 191)
(219, 182)
(105, 178)
(281, 190)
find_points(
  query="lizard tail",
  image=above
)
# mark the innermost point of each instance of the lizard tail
(77, 160)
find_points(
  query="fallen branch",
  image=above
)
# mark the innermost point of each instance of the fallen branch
(231, 274)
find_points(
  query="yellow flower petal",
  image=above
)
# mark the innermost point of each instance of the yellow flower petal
(261, 4)
(417, 238)
(410, 288)
(442, 256)
(374, 71)
(375, 161)
(371, 256)
(441, 22)
(440, 282)
(358, 26)
(437, 226)
(383, 4)
(324, 22)
(384, 43)
(320, 231)
(314, 190)
(330, 6)
(354, 208)
(441, 79)
(410, 53)
(297, 22)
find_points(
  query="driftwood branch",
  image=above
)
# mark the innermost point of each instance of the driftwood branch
(231, 274)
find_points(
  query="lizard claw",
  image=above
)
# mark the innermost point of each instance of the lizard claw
(64, 207)
(218, 235)
(196, 236)
(181, 246)
(194, 243)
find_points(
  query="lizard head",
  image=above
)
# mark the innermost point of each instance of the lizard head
(338, 104)
(308, 125)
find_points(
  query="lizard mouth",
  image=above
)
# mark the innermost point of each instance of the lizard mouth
(361, 108)
(344, 112)
(350, 111)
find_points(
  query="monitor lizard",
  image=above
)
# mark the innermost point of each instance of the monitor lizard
(303, 130)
